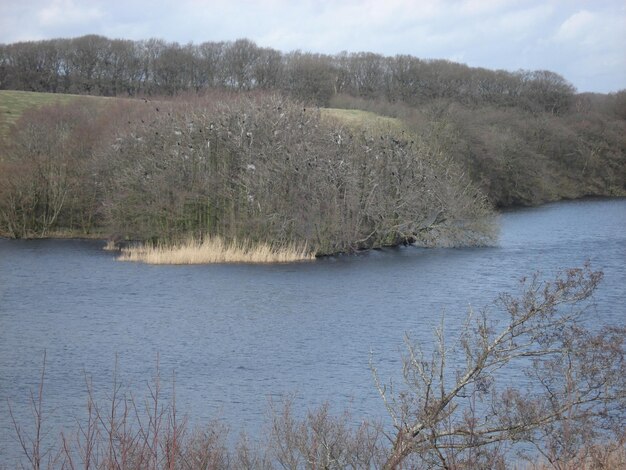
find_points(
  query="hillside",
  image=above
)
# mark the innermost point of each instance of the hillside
(14, 103)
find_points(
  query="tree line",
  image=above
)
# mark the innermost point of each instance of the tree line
(114, 67)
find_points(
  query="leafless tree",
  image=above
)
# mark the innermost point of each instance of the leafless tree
(458, 409)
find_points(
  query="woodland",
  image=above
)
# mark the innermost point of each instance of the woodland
(238, 141)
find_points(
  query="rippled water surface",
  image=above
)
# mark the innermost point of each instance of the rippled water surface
(237, 335)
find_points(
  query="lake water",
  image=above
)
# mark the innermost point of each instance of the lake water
(238, 335)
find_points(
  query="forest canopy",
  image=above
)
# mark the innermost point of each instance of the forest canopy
(97, 65)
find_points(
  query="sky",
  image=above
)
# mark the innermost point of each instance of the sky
(582, 40)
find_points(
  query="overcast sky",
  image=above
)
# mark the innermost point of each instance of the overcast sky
(583, 40)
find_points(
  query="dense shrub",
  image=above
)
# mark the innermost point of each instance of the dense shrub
(256, 167)
(268, 169)
(49, 179)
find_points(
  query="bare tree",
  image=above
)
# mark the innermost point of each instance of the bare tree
(546, 91)
(323, 440)
(33, 446)
(310, 77)
(459, 410)
(240, 59)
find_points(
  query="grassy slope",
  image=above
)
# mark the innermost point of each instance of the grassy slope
(14, 103)
(355, 118)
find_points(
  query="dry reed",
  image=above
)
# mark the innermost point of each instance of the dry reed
(111, 246)
(216, 250)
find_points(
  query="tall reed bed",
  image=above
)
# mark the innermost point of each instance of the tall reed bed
(216, 250)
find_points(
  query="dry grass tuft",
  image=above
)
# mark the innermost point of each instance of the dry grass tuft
(111, 246)
(216, 250)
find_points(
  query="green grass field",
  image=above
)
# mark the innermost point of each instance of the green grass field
(14, 103)
(356, 118)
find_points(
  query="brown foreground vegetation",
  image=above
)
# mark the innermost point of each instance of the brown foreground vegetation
(455, 410)
(605, 456)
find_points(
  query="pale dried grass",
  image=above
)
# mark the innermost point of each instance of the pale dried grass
(216, 250)
(111, 246)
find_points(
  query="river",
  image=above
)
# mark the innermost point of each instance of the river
(236, 336)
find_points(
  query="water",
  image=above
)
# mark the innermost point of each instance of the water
(237, 335)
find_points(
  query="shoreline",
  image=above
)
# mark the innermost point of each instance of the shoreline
(288, 254)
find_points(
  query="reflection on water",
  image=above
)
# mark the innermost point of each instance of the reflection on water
(237, 335)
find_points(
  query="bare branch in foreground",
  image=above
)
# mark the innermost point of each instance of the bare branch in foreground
(459, 408)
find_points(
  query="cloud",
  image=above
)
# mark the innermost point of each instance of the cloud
(575, 26)
(586, 47)
(62, 13)
(595, 29)
(523, 22)
(482, 7)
